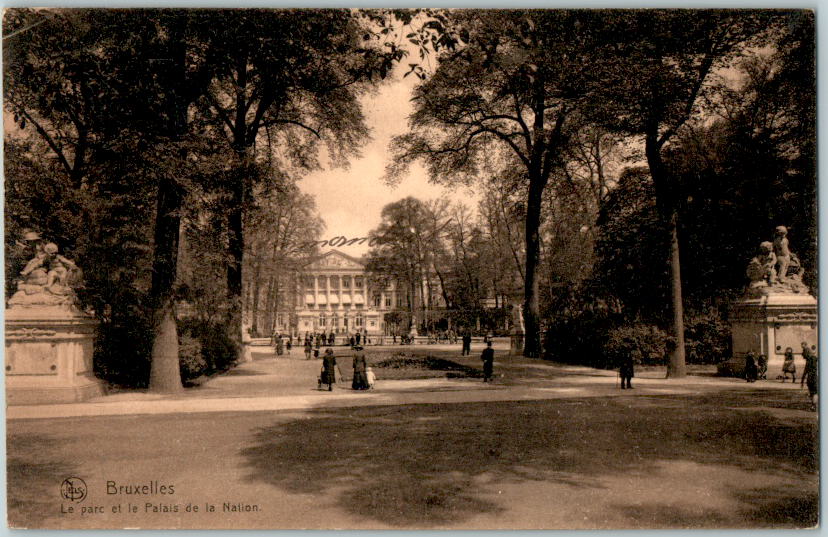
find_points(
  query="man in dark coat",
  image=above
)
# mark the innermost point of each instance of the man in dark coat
(627, 371)
(488, 362)
(466, 344)
(329, 369)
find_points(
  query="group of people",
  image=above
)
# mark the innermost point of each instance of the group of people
(757, 368)
(363, 377)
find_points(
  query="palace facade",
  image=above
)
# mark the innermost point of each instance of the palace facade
(333, 294)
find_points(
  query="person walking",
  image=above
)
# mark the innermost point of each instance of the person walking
(308, 348)
(329, 369)
(488, 362)
(360, 381)
(811, 374)
(788, 366)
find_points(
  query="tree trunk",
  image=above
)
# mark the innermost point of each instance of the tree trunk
(531, 310)
(165, 375)
(676, 367)
(666, 201)
(235, 219)
(165, 372)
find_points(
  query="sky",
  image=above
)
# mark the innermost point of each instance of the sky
(350, 201)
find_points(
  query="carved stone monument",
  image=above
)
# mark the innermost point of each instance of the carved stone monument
(776, 311)
(518, 331)
(49, 339)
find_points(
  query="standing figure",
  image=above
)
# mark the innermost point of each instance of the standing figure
(360, 381)
(750, 367)
(488, 362)
(329, 369)
(372, 378)
(811, 374)
(280, 345)
(782, 252)
(627, 371)
(763, 367)
(788, 366)
(466, 344)
(308, 348)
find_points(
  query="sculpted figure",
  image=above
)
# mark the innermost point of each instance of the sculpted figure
(45, 278)
(782, 252)
(761, 269)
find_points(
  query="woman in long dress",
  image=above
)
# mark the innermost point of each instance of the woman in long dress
(329, 369)
(360, 381)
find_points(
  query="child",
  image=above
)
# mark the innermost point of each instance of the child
(372, 379)
(782, 252)
(788, 366)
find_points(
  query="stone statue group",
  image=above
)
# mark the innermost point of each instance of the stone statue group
(48, 276)
(776, 269)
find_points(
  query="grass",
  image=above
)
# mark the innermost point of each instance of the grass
(419, 466)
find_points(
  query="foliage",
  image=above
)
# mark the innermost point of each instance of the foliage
(708, 338)
(190, 357)
(216, 352)
(647, 344)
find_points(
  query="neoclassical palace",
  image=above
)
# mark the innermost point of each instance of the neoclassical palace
(333, 295)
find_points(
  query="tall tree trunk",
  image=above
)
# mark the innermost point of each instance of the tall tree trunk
(531, 310)
(666, 201)
(165, 372)
(235, 228)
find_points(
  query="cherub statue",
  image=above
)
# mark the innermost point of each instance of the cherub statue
(782, 252)
(761, 271)
(45, 278)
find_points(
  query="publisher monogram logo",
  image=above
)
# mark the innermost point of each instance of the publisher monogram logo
(73, 489)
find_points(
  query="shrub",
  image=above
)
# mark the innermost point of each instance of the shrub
(217, 350)
(190, 358)
(707, 339)
(647, 344)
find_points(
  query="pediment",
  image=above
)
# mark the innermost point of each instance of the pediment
(336, 260)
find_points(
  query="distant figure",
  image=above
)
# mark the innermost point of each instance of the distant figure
(763, 367)
(627, 371)
(372, 378)
(750, 367)
(308, 349)
(358, 338)
(360, 381)
(280, 345)
(488, 362)
(352, 342)
(466, 344)
(328, 369)
(788, 366)
(811, 374)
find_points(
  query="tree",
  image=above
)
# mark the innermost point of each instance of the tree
(654, 87)
(284, 80)
(511, 87)
(88, 83)
(405, 248)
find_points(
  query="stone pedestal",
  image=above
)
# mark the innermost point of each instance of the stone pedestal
(768, 325)
(49, 355)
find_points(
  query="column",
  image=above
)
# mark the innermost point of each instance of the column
(315, 292)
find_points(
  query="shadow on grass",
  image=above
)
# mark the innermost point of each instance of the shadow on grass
(33, 477)
(423, 465)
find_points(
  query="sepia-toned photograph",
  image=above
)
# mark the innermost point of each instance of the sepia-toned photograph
(410, 269)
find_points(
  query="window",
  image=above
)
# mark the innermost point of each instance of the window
(323, 282)
(388, 302)
(358, 321)
(358, 283)
(346, 283)
(322, 319)
(377, 301)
